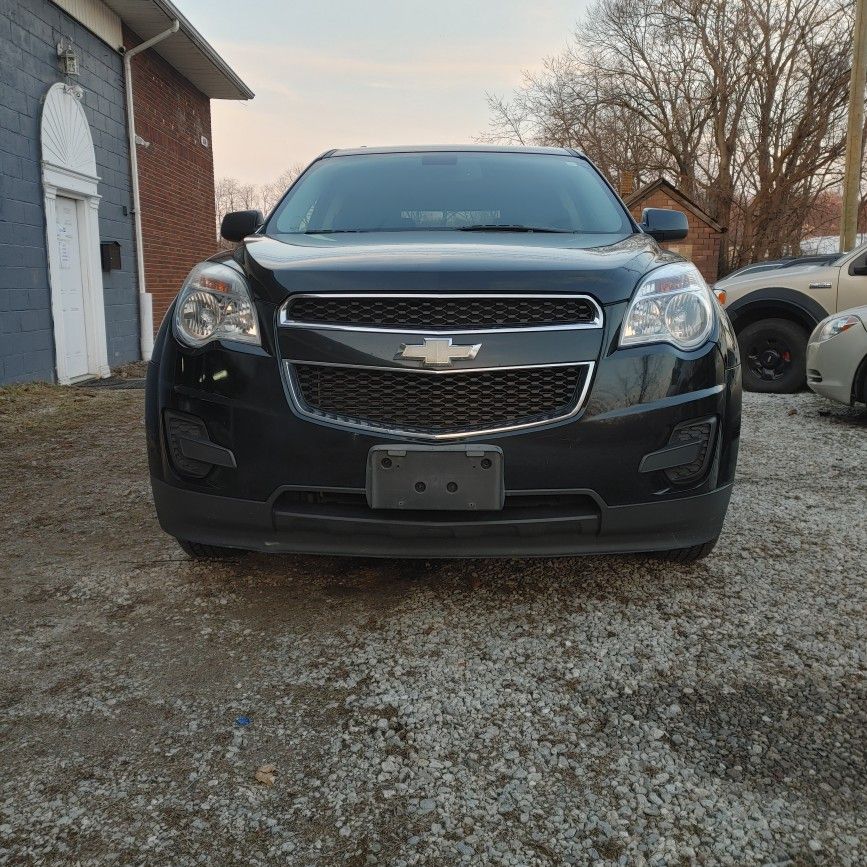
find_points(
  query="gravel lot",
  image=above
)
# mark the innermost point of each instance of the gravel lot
(572, 711)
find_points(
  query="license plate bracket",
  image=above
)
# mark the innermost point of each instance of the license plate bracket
(448, 477)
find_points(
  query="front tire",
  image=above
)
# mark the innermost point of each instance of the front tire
(773, 356)
(200, 551)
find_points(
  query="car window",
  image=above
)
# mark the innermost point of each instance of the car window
(446, 190)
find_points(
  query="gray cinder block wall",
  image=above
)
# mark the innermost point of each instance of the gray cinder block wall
(29, 33)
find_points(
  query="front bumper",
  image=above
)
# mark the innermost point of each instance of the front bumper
(833, 364)
(579, 485)
(585, 526)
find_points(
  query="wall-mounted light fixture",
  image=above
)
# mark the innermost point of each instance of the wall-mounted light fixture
(67, 57)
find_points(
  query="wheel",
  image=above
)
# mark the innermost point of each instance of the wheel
(688, 555)
(200, 551)
(774, 356)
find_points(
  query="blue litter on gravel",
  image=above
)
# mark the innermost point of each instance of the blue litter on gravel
(242, 721)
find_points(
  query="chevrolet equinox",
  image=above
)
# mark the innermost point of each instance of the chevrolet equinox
(445, 352)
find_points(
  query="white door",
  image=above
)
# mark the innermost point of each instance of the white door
(70, 284)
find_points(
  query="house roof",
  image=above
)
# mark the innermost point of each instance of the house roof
(662, 184)
(187, 50)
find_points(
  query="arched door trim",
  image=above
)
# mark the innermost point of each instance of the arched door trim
(69, 170)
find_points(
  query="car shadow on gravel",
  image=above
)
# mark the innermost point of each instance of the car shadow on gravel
(846, 416)
(294, 588)
(382, 583)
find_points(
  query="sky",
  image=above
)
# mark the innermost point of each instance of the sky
(344, 73)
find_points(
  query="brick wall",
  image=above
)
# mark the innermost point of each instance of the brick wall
(176, 174)
(29, 33)
(701, 245)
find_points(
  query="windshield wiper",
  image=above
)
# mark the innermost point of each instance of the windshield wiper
(478, 227)
(333, 231)
(509, 227)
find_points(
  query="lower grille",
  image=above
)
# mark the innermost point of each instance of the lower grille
(291, 505)
(439, 405)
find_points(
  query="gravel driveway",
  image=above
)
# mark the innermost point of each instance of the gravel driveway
(501, 712)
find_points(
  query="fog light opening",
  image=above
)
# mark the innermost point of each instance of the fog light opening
(696, 433)
(191, 450)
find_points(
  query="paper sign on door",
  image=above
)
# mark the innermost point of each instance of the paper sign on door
(64, 244)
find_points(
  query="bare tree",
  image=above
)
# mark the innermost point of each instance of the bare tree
(229, 195)
(565, 106)
(270, 193)
(739, 102)
(793, 132)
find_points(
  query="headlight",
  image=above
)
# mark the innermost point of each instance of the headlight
(833, 327)
(672, 305)
(214, 303)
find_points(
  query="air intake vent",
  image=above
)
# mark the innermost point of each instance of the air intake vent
(446, 313)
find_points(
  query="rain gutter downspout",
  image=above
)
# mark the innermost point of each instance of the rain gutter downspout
(145, 299)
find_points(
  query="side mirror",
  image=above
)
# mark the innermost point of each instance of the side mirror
(238, 224)
(664, 225)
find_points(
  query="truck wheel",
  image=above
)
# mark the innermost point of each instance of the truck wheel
(688, 555)
(773, 356)
(200, 551)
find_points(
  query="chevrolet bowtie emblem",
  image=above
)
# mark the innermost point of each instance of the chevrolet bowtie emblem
(438, 351)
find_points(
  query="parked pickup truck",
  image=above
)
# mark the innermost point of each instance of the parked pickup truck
(774, 307)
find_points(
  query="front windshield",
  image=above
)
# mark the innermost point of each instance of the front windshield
(468, 191)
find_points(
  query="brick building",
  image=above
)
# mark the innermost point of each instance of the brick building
(75, 285)
(702, 244)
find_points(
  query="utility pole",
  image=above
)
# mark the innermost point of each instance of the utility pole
(854, 133)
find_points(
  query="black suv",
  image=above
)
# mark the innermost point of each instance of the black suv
(445, 352)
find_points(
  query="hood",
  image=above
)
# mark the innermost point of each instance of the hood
(779, 275)
(450, 261)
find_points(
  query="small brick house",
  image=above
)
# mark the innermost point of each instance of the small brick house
(702, 244)
(97, 233)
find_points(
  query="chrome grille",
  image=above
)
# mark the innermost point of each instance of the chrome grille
(439, 405)
(419, 312)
